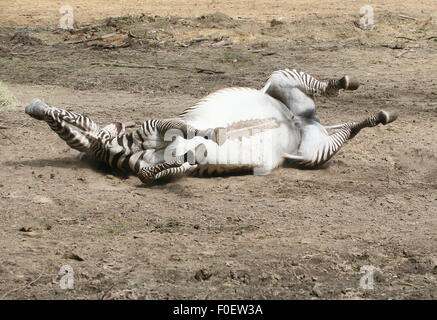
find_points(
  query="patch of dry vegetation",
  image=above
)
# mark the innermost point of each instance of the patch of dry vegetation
(7, 99)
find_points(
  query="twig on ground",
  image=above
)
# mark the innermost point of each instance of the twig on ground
(22, 53)
(132, 35)
(159, 67)
(406, 17)
(120, 65)
(7, 137)
(406, 38)
(402, 53)
(394, 47)
(134, 66)
(201, 70)
(22, 287)
(105, 36)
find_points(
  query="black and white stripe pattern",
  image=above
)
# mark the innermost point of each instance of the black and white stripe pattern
(78, 131)
(166, 169)
(307, 83)
(311, 85)
(345, 133)
(132, 151)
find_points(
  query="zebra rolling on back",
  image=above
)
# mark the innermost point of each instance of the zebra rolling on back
(230, 130)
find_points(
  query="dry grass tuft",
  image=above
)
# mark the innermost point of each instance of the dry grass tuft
(7, 98)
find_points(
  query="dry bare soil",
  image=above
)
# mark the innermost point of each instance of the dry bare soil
(292, 234)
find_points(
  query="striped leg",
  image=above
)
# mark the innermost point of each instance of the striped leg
(328, 146)
(167, 128)
(79, 132)
(308, 84)
(166, 169)
(295, 90)
(154, 150)
(382, 117)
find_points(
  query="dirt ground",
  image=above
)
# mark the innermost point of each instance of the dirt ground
(294, 234)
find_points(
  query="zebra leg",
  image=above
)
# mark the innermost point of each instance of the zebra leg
(108, 132)
(166, 169)
(157, 145)
(317, 147)
(295, 89)
(178, 158)
(382, 117)
(283, 79)
(164, 128)
(79, 132)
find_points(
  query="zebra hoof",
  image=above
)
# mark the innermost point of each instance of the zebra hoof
(348, 83)
(386, 117)
(36, 109)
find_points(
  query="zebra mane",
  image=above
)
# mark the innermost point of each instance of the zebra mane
(209, 97)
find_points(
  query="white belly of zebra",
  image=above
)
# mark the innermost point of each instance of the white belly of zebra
(256, 130)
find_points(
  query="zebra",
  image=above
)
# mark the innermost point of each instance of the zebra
(230, 130)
